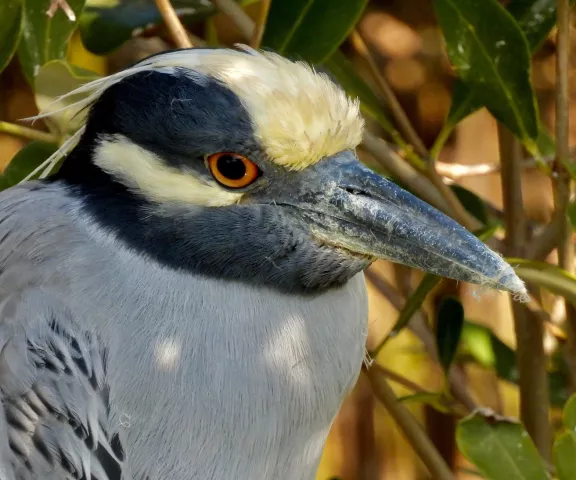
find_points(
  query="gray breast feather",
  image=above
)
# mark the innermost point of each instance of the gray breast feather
(53, 393)
(208, 391)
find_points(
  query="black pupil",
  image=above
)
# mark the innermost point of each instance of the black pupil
(231, 167)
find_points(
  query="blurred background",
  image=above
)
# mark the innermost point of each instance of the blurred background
(408, 49)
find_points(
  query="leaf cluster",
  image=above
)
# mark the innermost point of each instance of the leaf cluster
(490, 47)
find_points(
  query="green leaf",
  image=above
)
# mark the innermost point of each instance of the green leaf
(551, 277)
(485, 348)
(310, 29)
(572, 215)
(464, 103)
(565, 455)
(535, 18)
(45, 38)
(10, 29)
(438, 401)
(472, 203)
(492, 58)
(502, 450)
(53, 80)
(545, 142)
(106, 26)
(449, 323)
(415, 302)
(569, 414)
(476, 342)
(345, 73)
(25, 161)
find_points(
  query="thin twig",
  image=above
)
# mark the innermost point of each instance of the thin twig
(563, 183)
(238, 16)
(514, 217)
(63, 5)
(413, 431)
(546, 239)
(395, 107)
(177, 30)
(531, 358)
(456, 171)
(28, 133)
(196, 40)
(260, 23)
(458, 212)
(399, 379)
(419, 326)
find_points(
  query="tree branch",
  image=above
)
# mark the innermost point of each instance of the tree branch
(260, 23)
(177, 30)
(456, 171)
(27, 133)
(563, 183)
(547, 238)
(531, 358)
(413, 431)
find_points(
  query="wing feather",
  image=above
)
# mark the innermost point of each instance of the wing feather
(54, 394)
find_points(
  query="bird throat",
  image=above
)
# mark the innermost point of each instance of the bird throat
(256, 244)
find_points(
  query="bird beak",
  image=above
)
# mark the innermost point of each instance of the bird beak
(349, 206)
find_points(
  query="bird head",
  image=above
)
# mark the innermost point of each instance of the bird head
(241, 164)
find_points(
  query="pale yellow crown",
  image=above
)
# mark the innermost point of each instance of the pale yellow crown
(299, 116)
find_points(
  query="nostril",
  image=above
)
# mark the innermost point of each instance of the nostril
(355, 191)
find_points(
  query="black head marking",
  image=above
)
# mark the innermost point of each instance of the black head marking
(177, 116)
(182, 117)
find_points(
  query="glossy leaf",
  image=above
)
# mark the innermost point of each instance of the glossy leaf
(449, 323)
(565, 456)
(536, 18)
(492, 58)
(310, 29)
(484, 347)
(53, 80)
(45, 38)
(489, 351)
(415, 302)
(25, 161)
(551, 277)
(472, 203)
(545, 142)
(344, 72)
(10, 29)
(106, 26)
(475, 341)
(502, 450)
(569, 414)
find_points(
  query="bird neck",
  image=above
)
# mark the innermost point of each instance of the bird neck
(256, 244)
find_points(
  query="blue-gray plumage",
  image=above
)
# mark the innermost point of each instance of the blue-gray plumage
(184, 299)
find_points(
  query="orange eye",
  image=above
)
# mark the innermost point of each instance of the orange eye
(232, 169)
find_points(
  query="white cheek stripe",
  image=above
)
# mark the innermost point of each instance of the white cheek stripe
(143, 172)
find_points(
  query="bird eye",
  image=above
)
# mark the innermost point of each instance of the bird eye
(232, 169)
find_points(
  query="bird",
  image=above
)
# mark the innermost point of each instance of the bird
(184, 298)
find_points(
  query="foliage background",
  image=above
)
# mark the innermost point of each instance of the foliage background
(398, 56)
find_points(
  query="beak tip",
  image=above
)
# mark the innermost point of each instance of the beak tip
(510, 282)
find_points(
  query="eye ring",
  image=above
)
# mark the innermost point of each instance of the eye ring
(232, 169)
